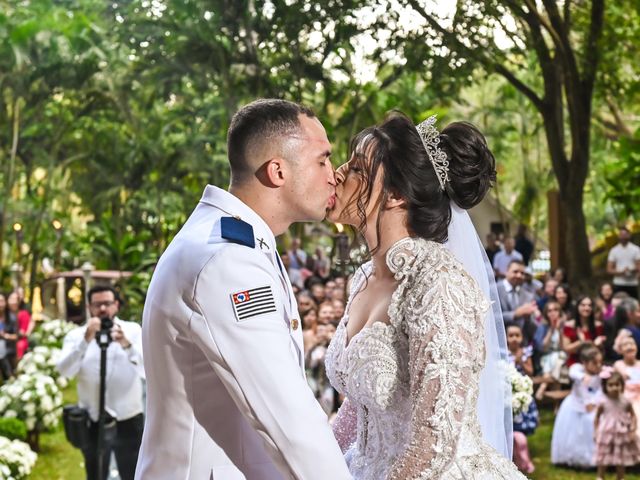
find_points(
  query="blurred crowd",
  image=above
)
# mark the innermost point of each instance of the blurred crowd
(566, 341)
(15, 327)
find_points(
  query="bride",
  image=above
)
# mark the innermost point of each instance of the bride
(410, 350)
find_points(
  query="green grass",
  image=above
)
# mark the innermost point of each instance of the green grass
(540, 450)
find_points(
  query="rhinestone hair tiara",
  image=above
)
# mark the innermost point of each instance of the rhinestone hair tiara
(430, 139)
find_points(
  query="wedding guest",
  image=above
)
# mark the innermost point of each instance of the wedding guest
(492, 246)
(326, 314)
(559, 274)
(524, 423)
(8, 338)
(572, 440)
(562, 294)
(318, 292)
(318, 380)
(583, 329)
(322, 264)
(549, 288)
(329, 289)
(309, 321)
(523, 244)
(504, 257)
(623, 263)
(627, 317)
(604, 301)
(305, 302)
(548, 341)
(25, 325)
(518, 306)
(531, 284)
(297, 261)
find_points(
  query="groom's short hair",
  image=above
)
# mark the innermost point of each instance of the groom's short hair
(257, 126)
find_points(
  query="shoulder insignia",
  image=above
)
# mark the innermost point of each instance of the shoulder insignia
(237, 231)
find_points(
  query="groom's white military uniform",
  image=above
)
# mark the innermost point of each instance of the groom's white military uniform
(226, 392)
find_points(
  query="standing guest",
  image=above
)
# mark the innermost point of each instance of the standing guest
(340, 290)
(584, 328)
(297, 262)
(492, 246)
(25, 325)
(615, 427)
(504, 257)
(604, 301)
(547, 294)
(629, 368)
(572, 441)
(322, 264)
(562, 295)
(518, 306)
(548, 341)
(8, 338)
(125, 371)
(523, 244)
(624, 264)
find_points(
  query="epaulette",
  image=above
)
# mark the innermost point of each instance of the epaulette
(237, 231)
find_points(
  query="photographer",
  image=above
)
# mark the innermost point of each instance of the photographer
(124, 373)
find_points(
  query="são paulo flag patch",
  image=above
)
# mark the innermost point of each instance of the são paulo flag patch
(250, 303)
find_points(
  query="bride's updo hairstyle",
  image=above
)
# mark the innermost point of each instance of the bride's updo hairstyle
(407, 172)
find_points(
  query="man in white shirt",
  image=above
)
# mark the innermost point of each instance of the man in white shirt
(624, 264)
(123, 393)
(504, 257)
(227, 397)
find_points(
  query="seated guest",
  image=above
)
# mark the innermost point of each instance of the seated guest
(627, 317)
(326, 314)
(572, 441)
(604, 301)
(583, 329)
(518, 306)
(547, 294)
(532, 284)
(562, 295)
(305, 302)
(504, 257)
(524, 423)
(548, 341)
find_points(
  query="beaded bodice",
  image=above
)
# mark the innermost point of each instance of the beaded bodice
(412, 384)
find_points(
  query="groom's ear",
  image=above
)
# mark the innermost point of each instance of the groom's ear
(273, 172)
(394, 200)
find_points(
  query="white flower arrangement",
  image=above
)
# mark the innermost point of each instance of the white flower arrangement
(51, 333)
(35, 399)
(521, 390)
(42, 360)
(16, 459)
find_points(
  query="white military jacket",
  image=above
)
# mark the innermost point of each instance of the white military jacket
(223, 355)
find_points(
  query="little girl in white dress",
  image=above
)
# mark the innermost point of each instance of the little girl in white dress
(572, 442)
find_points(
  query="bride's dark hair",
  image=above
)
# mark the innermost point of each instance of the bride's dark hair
(407, 172)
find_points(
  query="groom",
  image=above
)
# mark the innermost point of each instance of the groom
(227, 396)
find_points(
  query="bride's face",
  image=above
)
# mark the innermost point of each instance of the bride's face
(358, 189)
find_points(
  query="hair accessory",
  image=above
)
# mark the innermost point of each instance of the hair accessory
(606, 372)
(430, 139)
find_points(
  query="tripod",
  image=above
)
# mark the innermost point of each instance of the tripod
(103, 337)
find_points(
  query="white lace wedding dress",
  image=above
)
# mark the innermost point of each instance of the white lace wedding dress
(412, 385)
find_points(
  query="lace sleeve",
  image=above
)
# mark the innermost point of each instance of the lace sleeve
(345, 425)
(442, 328)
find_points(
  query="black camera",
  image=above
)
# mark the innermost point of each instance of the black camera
(104, 334)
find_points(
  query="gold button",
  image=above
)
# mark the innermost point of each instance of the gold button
(294, 323)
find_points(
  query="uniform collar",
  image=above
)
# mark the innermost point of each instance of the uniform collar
(233, 206)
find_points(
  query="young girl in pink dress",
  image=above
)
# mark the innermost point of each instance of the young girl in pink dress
(615, 427)
(629, 368)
